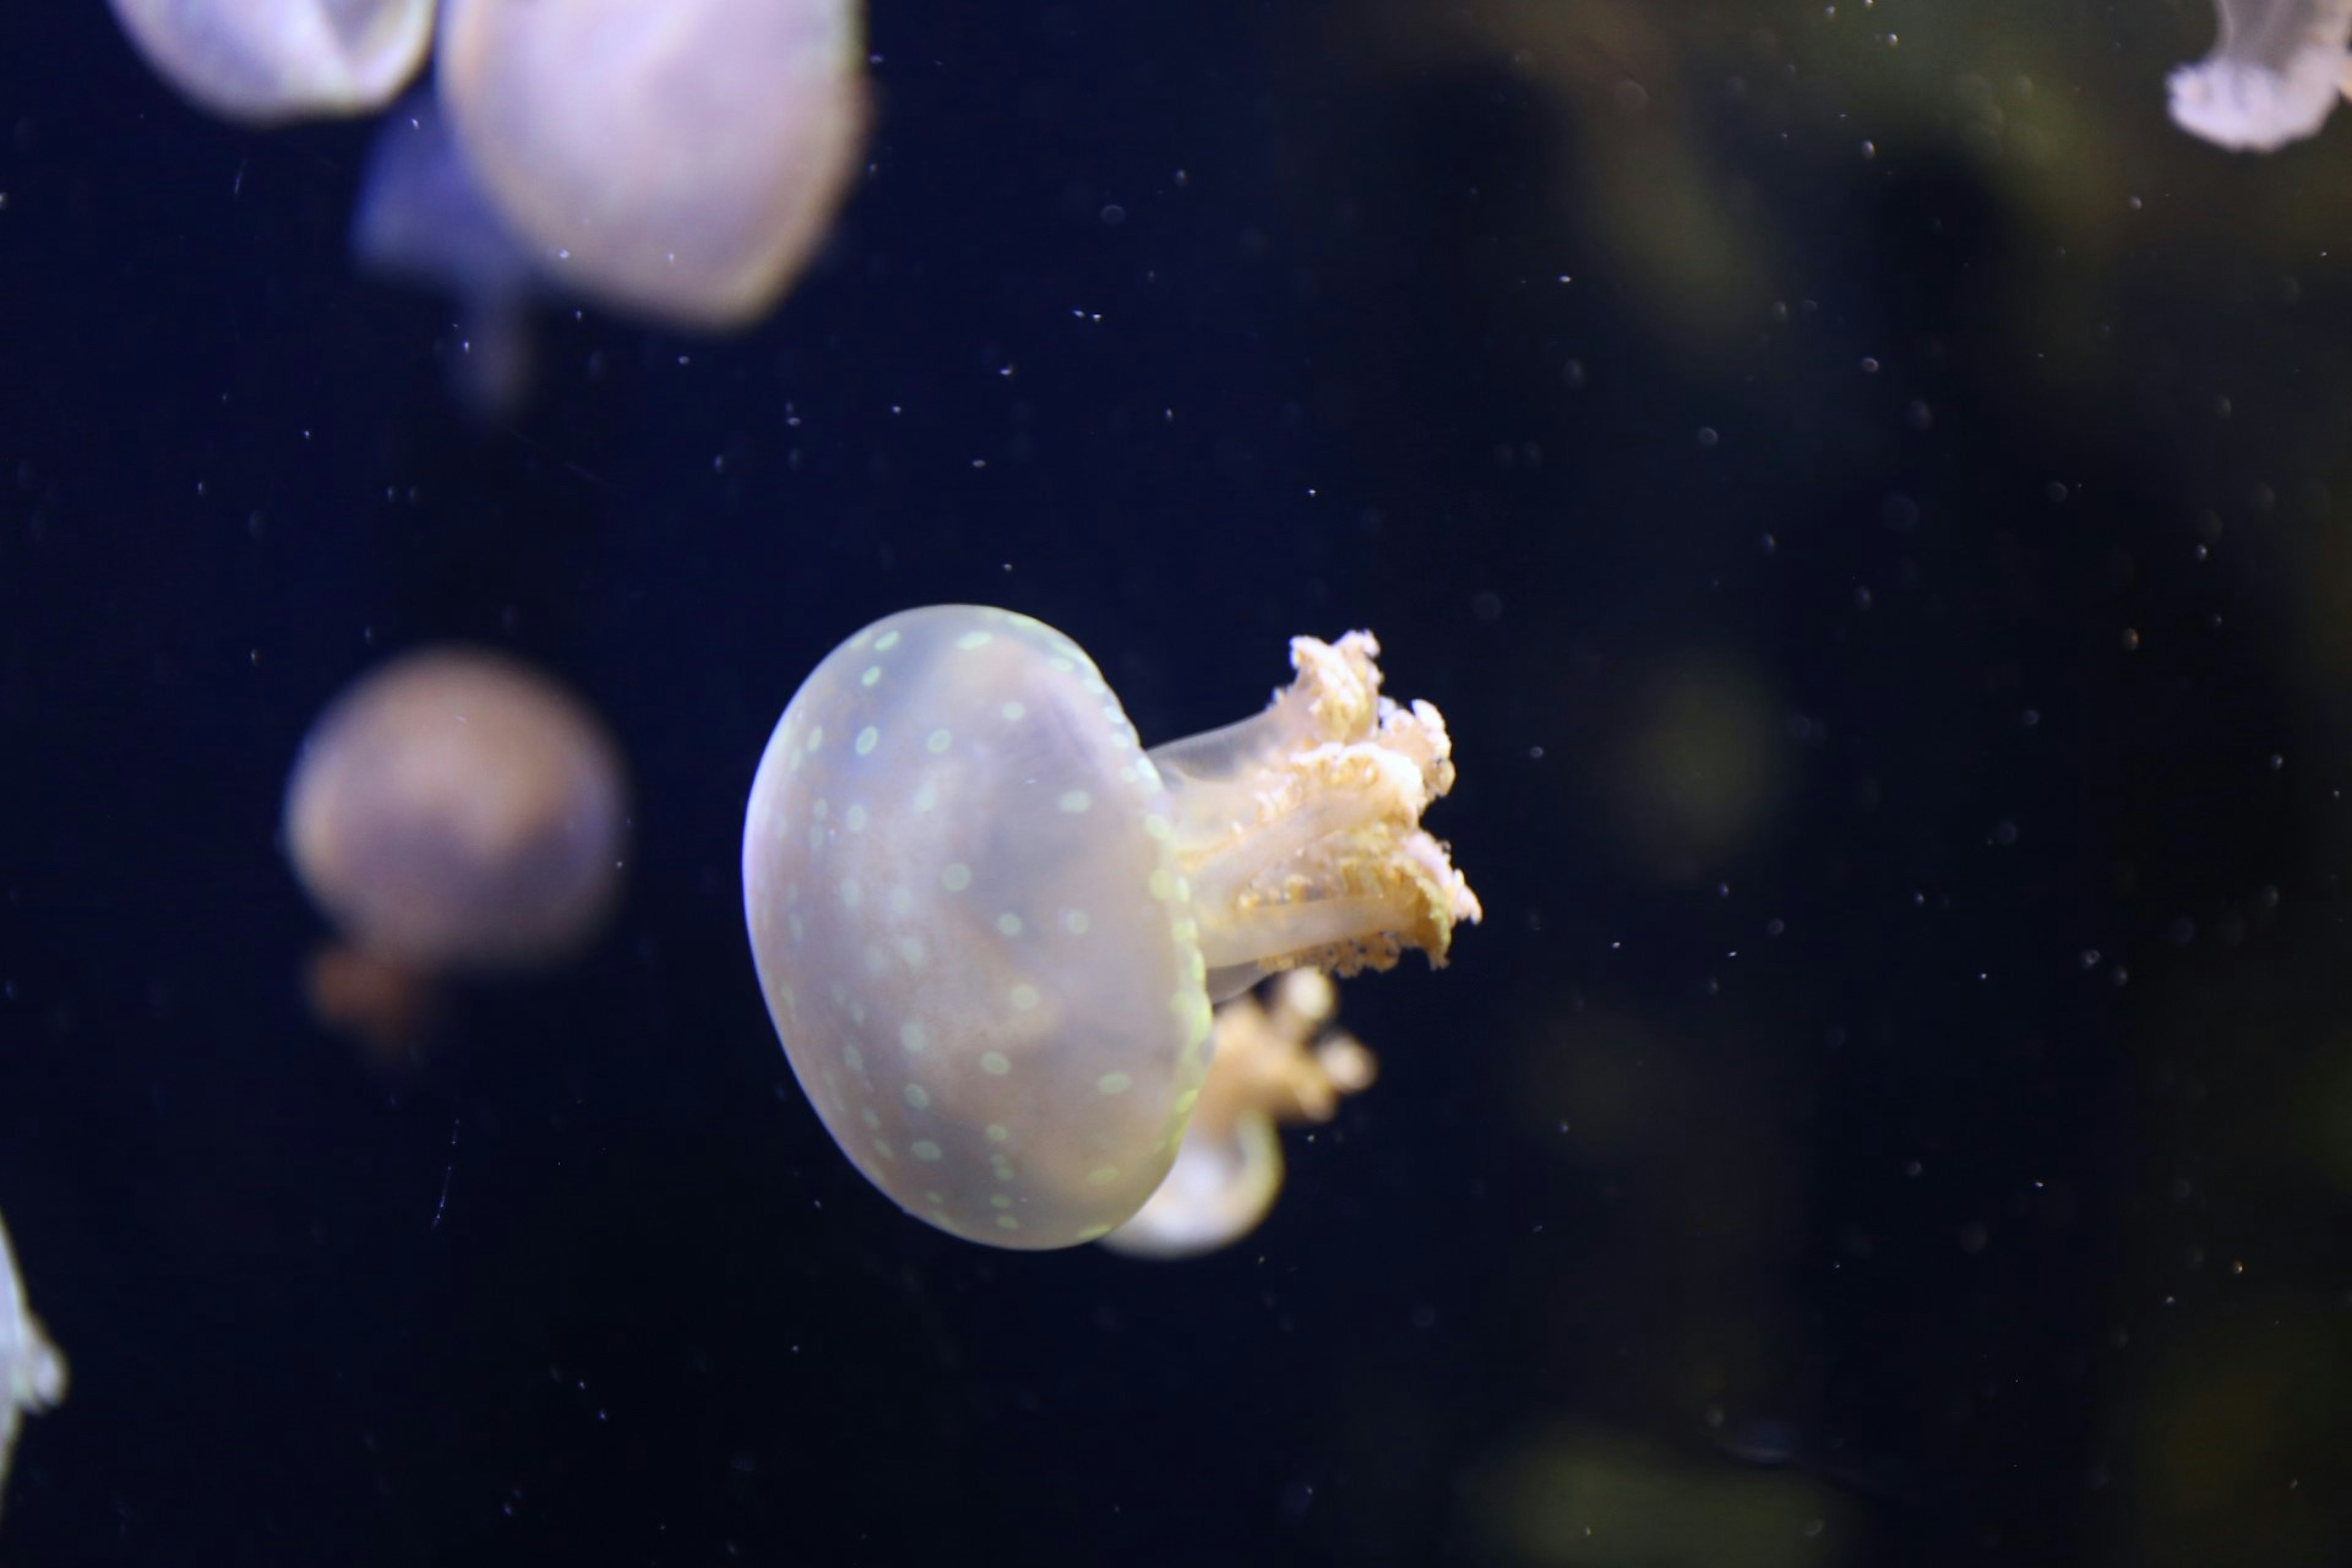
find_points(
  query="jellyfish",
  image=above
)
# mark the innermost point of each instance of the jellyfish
(452, 813)
(679, 161)
(991, 928)
(1261, 1071)
(2273, 74)
(270, 63)
(32, 1370)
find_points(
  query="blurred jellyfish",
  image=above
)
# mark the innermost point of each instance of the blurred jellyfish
(991, 929)
(265, 62)
(680, 160)
(1699, 768)
(32, 1371)
(1229, 1166)
(451, 812)
(421, 220)
(2273, 76)
(1571, 1494)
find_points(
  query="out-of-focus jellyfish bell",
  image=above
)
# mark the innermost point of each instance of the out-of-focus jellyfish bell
(991, 928)
(421, 220)
(2273, 76)
(453, 812)
(32, 1371)
(680, 160)
(264, 62)
(1263, 1071)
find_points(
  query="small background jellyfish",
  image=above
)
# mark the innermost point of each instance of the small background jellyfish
(2274, 77)
(1278, 1063)
(32, 1370)
(452, 813)
(676, 164)
(991, 928)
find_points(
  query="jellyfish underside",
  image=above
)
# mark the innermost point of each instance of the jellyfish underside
(452, 813)
(2273, 76)
(989, 925)
(32, 1370)
(1273, 1063)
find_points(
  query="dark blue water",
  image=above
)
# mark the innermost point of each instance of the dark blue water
(1887, 599)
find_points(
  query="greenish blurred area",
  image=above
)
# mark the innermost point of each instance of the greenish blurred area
(2177, 318)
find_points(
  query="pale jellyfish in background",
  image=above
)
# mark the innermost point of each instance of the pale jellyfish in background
(676, 160)
(680, 160)
(422, 221)
(2273, 76)
(1272, 1064)
(452, 813)
(32, 1371)
(265, 62)
(991, 928)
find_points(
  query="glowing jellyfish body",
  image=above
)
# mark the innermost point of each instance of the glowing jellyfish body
(1229, 1167)
(265, 62)
(679, 160)
(32, 1371)
(991, 928)
(453, 811)
(2273, 76)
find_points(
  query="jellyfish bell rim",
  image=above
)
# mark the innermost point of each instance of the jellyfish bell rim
(1217, 1192)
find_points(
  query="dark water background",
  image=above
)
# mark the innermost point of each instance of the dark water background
(1866, 508)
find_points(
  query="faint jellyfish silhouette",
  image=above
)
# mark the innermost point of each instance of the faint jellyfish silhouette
(421, 220)
(451, 812)
(1698, 766)
(680, 160)
(267, 62)
(32, 1370)
(2273, 76)
(989, 928)
(1262, 1071)
(1546, 1495)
